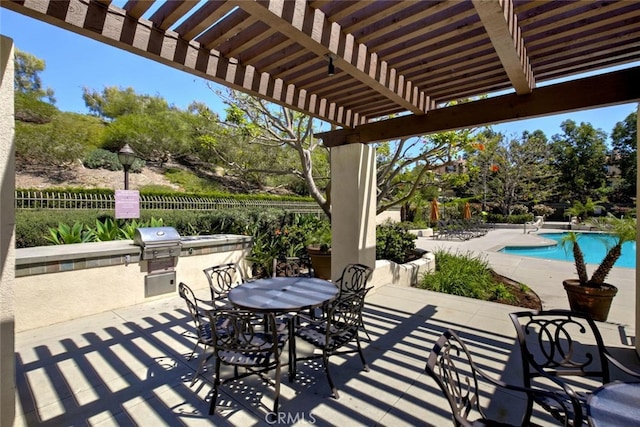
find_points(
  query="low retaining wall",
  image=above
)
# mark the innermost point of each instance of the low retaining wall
(408, 274)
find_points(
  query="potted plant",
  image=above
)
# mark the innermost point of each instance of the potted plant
(319, 250)
(593, 295)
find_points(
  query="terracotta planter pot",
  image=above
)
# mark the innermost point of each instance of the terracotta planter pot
(320, 261)
(594, 301)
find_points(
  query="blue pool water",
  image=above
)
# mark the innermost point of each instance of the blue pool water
(593, 245)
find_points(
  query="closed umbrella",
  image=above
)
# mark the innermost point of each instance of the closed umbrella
(435, 214)
(467, 211)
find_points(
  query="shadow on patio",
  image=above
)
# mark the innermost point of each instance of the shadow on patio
(129, 367)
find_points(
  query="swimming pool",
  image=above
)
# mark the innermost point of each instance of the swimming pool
(593, 245)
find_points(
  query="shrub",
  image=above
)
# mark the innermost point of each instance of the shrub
(105, 159)
(394, 242)
(541, 209)
(509, 219)
(464, 275)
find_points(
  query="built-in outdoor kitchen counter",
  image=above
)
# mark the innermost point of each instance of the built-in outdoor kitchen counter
(63, 282)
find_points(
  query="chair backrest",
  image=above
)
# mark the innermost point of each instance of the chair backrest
(354, 278)
(189, 297)
(292, 267)
(561, 343)
(242, 331)
(222, 278)
(450, 365)
(343, 318)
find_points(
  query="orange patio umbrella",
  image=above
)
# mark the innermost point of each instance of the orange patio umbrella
(435, 214)
(466, 213)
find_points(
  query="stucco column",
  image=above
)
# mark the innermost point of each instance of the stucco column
(353, 206)
(7, 235)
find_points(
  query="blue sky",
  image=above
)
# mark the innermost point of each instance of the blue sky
(73, 62)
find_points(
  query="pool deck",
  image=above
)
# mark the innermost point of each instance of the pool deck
(129, 367)
(543, 276)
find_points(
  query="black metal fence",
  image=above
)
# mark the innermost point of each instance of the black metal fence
(56, 200)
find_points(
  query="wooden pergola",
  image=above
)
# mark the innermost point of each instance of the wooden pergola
(410, 60)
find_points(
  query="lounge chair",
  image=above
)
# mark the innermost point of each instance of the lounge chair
(537, 224)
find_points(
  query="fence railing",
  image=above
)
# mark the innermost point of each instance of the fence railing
(56, 200)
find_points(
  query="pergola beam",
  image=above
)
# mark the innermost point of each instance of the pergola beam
(603, 90)
(110, 25)
(501, 23)
(310, 28)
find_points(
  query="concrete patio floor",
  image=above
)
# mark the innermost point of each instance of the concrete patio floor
(128, 367)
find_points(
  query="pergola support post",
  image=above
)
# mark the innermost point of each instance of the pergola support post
(7, 234)
(353, 206)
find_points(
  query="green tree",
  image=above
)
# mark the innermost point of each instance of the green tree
(275, 141)
(158, 137)
(114, 102)
(64, 140)
(624, 144)
(33, 103)
(406, 167)
(514, 172)
(27, 76)
(580, 154)
(287, 146)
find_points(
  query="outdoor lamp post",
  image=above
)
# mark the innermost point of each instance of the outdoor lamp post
(126, 156)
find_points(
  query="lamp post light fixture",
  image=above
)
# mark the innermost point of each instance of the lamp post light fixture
(126, 156)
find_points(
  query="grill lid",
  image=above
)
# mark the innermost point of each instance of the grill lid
(156, 236)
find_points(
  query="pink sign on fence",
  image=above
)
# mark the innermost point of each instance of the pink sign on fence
(127, 204)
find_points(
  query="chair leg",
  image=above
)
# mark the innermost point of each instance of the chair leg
(325, 361)
(364, 329)
(292, 352)
(277, 388)
(216, 383)
(364, 362)
(193, 351)
(202, 362)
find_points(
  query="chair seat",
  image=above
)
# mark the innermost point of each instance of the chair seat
(240, 358)
(317, 335)
(482, 422)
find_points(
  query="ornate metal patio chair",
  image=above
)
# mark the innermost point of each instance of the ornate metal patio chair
(251, 341)
(333, 333)
(202, 327)
(222, 278)
(354, 278)
(452, 368)
(292, 267)
(566, 348)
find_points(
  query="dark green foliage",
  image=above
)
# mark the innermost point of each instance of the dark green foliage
(65, 234)
(32, 226)
(509, 219)
(59, 142)
(31, 109)
(105, 159)
(394, 242)
(284, 236)
(464, 275)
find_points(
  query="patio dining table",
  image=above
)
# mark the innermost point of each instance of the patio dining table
(614, 404)
(283, 295)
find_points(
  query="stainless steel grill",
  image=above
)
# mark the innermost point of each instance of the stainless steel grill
(158, 242)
